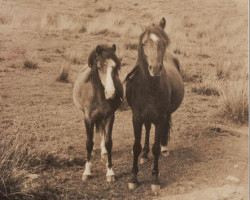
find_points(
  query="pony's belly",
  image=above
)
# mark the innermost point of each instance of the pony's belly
(151, 114)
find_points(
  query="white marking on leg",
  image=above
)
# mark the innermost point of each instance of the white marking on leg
(110, 172)
(87, 170)
(103, 148)
(154, 37)
(109, 83)
(164, 148)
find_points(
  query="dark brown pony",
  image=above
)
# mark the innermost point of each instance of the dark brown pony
(98, 93)
(154, 90)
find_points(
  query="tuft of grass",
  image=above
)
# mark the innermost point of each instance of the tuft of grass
(234, 99)
(102, 9)
(83, 29)
(64, 74)
(207, 88)
(131, 46)
(188, 77)
(30, 65)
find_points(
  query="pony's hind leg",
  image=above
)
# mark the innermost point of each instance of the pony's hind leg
(156, 150)
(165, 137)
(137, 124)
(89, 146)
(108, 145)
(145, 151)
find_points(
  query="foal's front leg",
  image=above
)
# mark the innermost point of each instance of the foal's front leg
(89, 146)
(108, 145)
(137, 124)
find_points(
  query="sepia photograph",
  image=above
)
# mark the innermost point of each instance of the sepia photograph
(124, 99)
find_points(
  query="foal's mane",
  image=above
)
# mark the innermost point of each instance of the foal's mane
(109, 52)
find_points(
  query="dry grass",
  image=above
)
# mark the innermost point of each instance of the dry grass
(30, 65)
(234, 101)
(64, 73)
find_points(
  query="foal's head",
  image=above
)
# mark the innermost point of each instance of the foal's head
(152, 47)
(105, 64)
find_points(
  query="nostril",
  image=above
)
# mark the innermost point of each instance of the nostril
(160, 67)
(150, 67)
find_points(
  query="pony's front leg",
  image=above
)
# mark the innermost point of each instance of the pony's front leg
(89, 146)
(145, 151)
(137, 124)
(156, 150)
(108, 144)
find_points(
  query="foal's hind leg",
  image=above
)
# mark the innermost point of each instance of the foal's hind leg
(165, 137)
(108, 144)
(145, 151)
(137, 124)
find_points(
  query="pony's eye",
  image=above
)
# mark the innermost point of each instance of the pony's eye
(143, 44)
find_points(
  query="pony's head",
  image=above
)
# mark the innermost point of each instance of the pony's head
(104, 61)
(152, 47)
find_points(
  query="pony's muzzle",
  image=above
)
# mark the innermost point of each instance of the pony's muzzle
(155, 71)
(109, 94)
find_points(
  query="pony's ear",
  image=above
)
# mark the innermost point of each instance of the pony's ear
(114, 47)
(99, 50)
(91, 59)
(163, 23)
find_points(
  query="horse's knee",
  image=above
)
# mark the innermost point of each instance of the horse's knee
(109, 145)
(156, 149)
(89, 145)
(137, 148)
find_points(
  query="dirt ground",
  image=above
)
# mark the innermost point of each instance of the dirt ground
(208, 154)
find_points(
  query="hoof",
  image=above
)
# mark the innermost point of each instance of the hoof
(165, 153)
(143, 161)
(111, 179)
(132, 186)
(155, 188)
(104, 157)
(85, 178)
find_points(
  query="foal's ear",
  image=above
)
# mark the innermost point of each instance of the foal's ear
(163, 23)
(114, 47)
(99, 50)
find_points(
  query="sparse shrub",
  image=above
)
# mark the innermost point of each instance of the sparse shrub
(64, 74)
(234, 101)
(30, 65)
(102, 10)
(206, 88)
(83, 29)
(187, 77)
(131, 46)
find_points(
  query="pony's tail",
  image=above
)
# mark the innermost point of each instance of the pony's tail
(169, 129)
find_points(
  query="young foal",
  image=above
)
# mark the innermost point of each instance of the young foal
(98, 93)
(154, 90)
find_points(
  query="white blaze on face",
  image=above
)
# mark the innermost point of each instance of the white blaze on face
(154, 37)
(109, 88)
